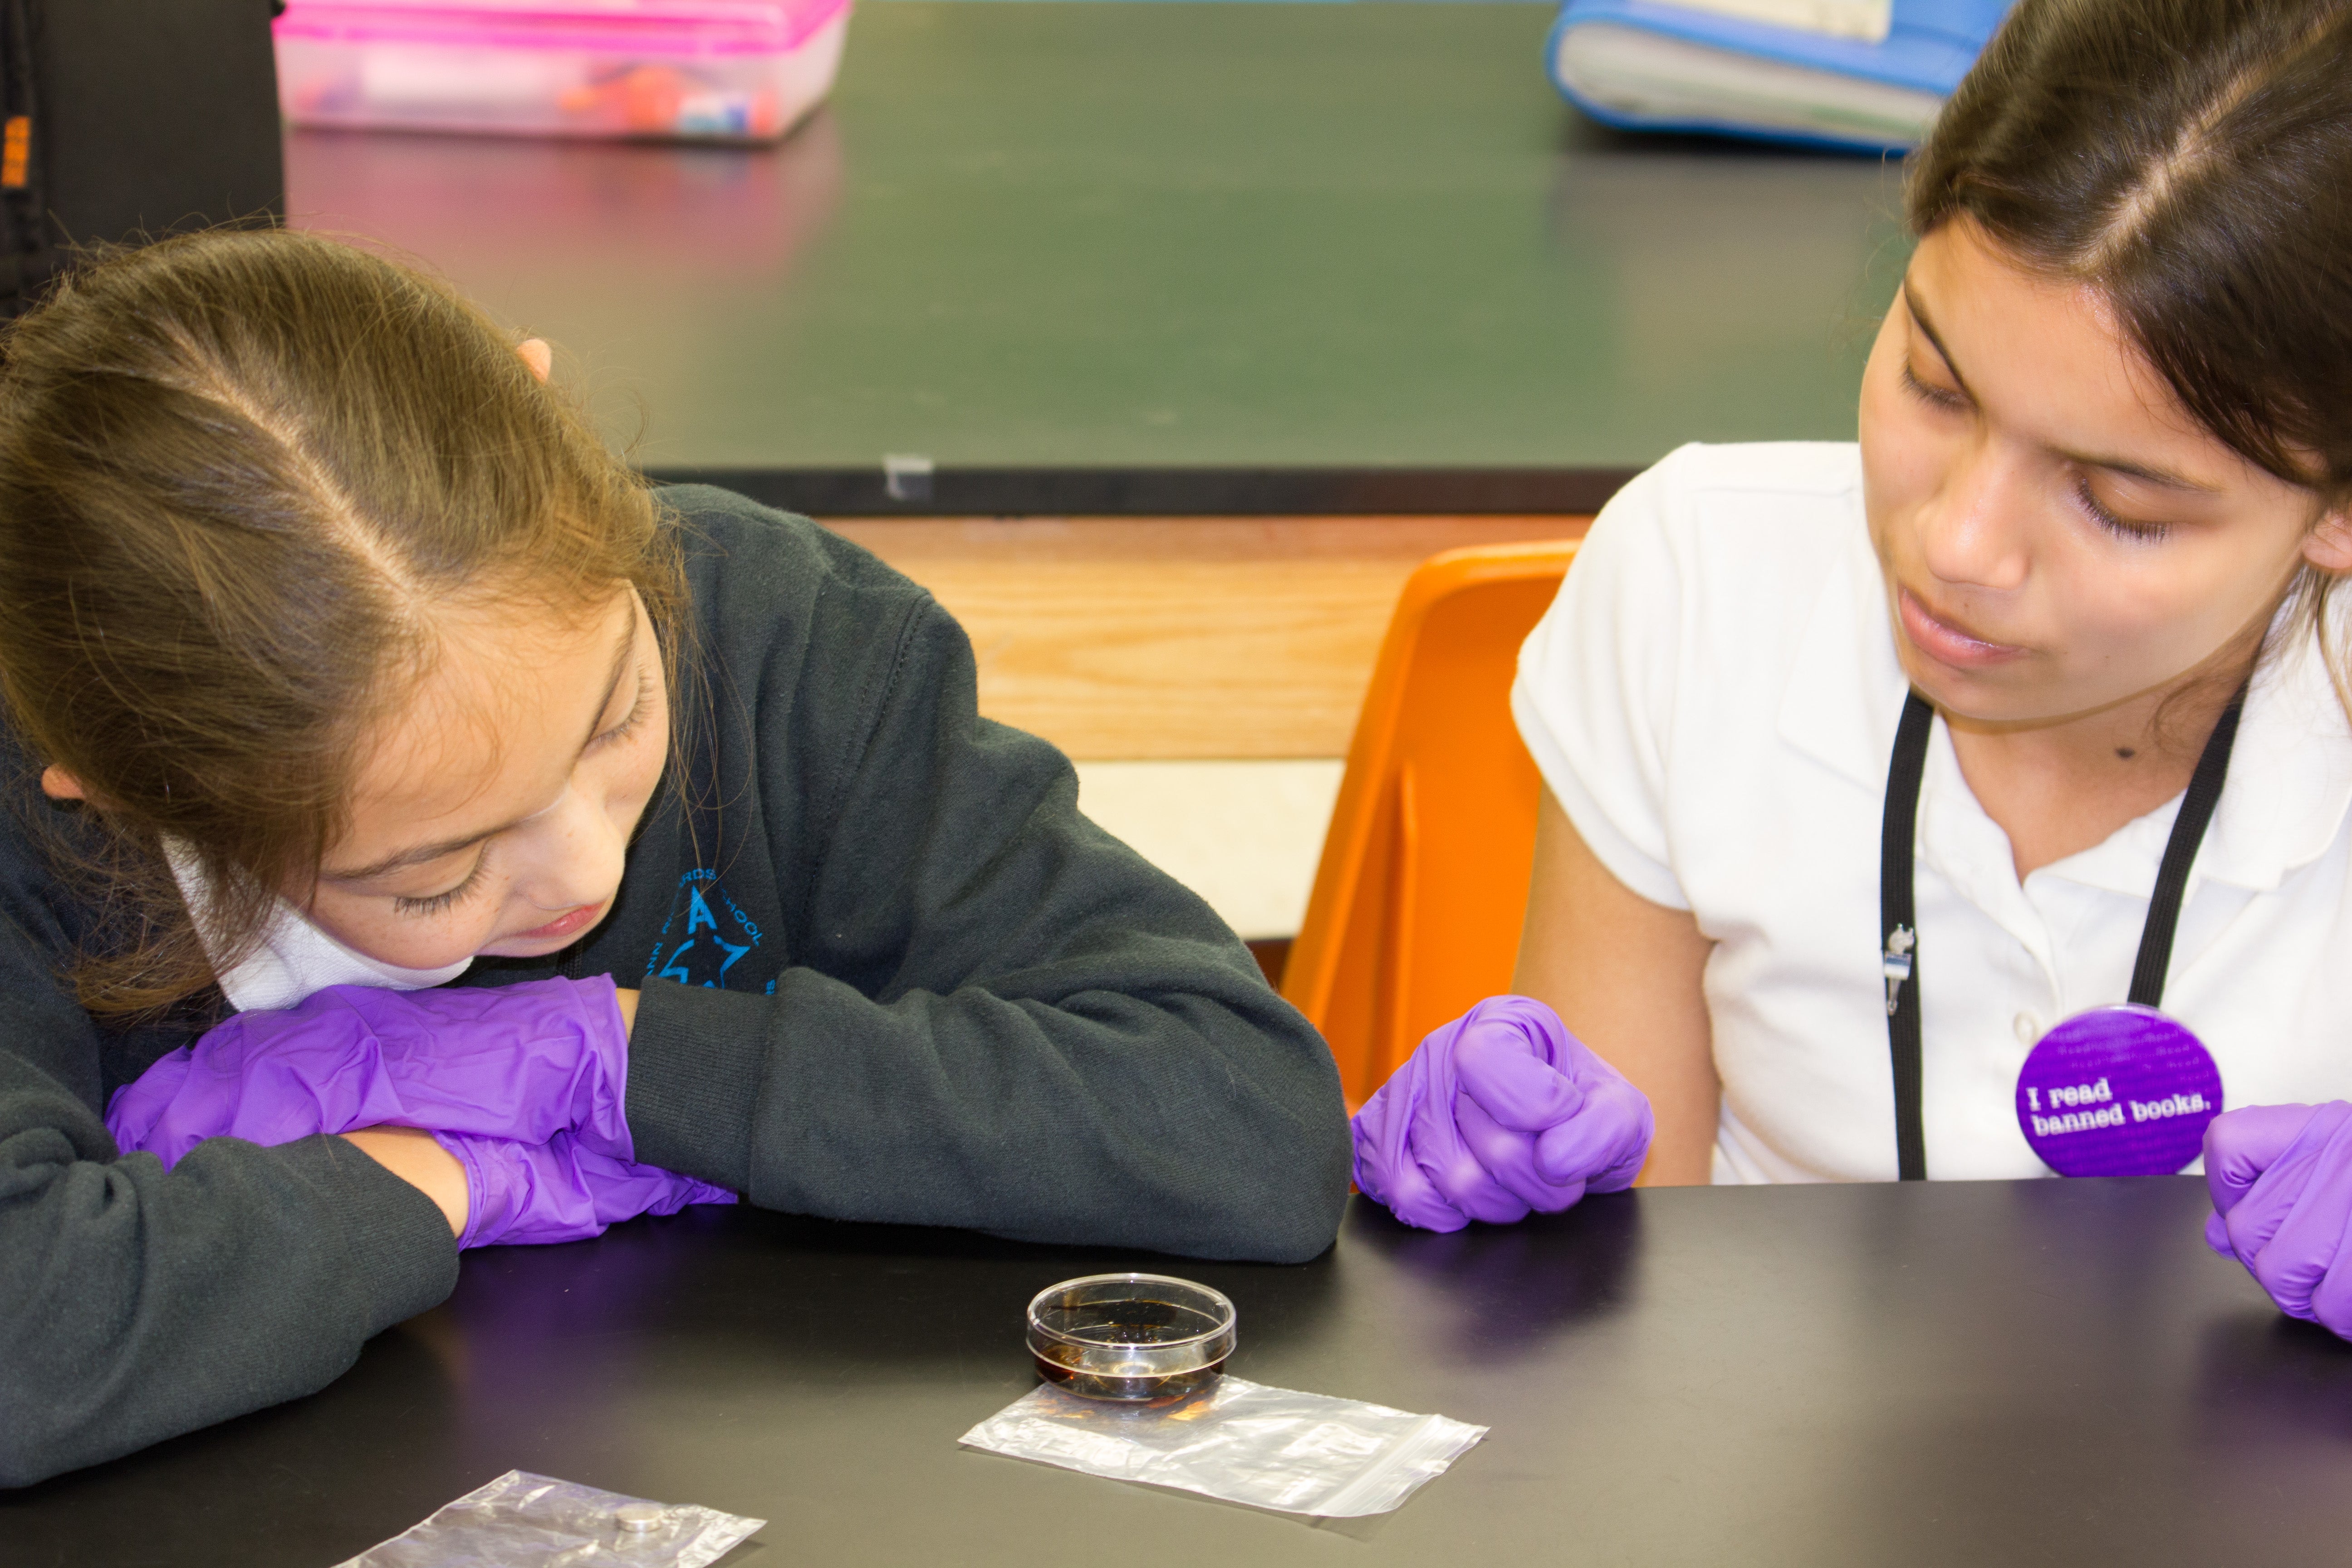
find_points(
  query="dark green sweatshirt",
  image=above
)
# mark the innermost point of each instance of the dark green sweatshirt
(889, 974)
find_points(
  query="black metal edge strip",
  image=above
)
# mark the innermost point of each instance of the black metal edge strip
(913, 491)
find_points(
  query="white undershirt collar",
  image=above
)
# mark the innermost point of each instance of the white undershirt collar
(294, 958)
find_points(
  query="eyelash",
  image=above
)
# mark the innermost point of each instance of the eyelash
(2136, 532)
(1934, 396)
(637, 714)
(440, 903)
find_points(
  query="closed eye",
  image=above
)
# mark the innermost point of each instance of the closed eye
(440, 903)
(2121, 527)
(1941, 397)
(630, 721)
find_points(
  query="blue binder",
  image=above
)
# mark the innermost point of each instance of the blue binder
(1649, 66)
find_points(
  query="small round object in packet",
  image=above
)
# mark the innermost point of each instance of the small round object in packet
(1138, 1338)
(638, 1517)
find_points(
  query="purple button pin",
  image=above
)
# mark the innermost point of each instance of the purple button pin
(2119, 1091)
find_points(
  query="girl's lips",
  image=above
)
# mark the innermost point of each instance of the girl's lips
(1946, 643)
(578, 920)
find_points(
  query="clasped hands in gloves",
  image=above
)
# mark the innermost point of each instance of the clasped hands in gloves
(1497, 1114)
(2281, 1178)
(523, 1084)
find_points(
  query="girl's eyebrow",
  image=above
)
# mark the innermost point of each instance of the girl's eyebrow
(417, 855)
(2164, 479)
(421, 854)
(620, 667)
(1919, 320)
(2161, 478)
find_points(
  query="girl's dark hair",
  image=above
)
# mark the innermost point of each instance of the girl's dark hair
(240, 473)
(2191, 160)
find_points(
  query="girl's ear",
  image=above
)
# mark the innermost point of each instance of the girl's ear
(538, 356)
(59, 784)
(2328, 545)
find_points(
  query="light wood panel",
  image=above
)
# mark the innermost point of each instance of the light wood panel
(1138, 637)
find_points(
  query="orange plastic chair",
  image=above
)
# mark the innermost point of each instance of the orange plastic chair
(1424, 882)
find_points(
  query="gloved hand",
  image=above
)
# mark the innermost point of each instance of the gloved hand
(521, 1195)
(521, 1062)
(497, 1075)
(2281, 1179)
(1499, 1112)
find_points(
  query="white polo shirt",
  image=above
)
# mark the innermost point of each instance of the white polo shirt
(1712, 699)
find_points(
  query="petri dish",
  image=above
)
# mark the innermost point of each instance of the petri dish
(1136, 1338)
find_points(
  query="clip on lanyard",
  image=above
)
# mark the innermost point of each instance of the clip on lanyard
(1899, 959)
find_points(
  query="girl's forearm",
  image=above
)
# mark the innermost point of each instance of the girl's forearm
(412, 1154)
(1624, 974)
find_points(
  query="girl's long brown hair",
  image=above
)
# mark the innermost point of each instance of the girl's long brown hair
(239, 471)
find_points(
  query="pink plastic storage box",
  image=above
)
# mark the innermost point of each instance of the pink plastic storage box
(727, 70)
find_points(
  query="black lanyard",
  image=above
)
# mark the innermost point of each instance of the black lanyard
(1899, 959)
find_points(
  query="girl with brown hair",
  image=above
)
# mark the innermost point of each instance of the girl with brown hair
(1867, 765)
(342, 662)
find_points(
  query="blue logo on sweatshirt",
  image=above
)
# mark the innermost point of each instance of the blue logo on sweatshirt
(707, 936)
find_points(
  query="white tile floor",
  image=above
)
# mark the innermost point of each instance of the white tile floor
(1246, 836)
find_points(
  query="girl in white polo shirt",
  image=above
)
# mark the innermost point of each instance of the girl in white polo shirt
(2092, 536)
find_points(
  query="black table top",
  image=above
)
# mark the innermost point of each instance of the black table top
(1962, 1372)
(1164, 236)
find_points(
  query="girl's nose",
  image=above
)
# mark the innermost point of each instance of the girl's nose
(1969, 532)
(575, 856)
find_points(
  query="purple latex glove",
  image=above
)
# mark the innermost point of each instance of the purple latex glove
(509, 1069)
(521, 1062)
(2281, 1179)
(521, 1195)
(1500, 1112)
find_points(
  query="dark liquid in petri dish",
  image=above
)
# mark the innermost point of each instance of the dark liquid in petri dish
(1138, 1323)
(1165, 1389)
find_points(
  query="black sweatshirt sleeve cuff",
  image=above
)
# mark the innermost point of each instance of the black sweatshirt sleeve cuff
(696, 1059)
(402, 1257)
